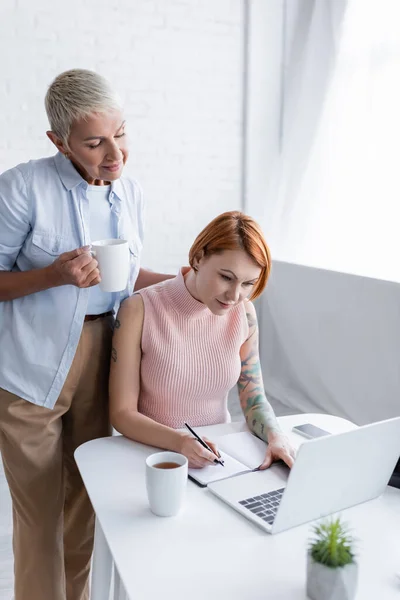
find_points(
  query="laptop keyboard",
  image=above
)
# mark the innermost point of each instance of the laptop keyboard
(264, 506)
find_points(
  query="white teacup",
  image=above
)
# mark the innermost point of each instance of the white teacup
(113, 259)
(166, 484)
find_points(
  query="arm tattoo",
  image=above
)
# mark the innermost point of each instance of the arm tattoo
(262, 421)
(114, 354)
(117, 324)
(250, 373)
(252, 321)
(258, 412)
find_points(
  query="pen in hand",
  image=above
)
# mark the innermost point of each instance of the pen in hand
(205, 445)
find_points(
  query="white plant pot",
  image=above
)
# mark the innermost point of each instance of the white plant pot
(326, 583)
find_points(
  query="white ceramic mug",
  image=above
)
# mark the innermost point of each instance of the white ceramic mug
(166, 487)
(113, 258)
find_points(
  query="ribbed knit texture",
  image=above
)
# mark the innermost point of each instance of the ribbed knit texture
(190, 357)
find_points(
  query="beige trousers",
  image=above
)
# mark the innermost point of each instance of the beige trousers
(52, 515)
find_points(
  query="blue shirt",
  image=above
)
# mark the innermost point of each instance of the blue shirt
(44, 211)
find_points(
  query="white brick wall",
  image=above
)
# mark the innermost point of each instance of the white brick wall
(178, 64)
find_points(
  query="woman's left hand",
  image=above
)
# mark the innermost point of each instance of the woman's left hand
(279, 448)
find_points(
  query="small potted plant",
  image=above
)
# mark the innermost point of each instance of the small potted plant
(331, 567)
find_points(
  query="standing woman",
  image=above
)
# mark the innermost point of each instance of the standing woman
(56, 326)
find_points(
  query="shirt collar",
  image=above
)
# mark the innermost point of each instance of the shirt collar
(71, 178)
(117, 188)
(67, 172)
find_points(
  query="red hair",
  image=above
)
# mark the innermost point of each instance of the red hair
(234, 231)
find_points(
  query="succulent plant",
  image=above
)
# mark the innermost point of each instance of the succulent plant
(332, 544)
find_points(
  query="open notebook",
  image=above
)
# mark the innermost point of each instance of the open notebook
(242, 452)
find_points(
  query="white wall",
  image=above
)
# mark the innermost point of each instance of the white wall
(178, 65)
(263, 100)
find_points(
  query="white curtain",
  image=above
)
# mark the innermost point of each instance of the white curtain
(334, 202)
(329, 339)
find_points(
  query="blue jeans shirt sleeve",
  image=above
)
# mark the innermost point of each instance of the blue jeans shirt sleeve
(15, 217)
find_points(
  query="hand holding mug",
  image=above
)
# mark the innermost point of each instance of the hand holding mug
(77, 267)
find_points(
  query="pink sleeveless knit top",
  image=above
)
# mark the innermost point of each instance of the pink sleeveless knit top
(190, 357)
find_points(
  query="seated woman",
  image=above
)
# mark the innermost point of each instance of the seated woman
(181, 345)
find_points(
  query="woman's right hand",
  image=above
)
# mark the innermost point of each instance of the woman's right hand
(77, 267)
(197, 456)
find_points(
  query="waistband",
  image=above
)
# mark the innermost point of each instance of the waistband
(100, 316)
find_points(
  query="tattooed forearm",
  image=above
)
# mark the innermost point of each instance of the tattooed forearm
(114, 355)
(262, 422)
(260, 416)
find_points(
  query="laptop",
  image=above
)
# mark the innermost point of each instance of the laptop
(330, 474)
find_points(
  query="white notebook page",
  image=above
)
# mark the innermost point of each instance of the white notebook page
(249, 449)
(241, 452)
(215, 472)
(244, 447)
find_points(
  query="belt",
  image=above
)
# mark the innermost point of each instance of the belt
(94, 317)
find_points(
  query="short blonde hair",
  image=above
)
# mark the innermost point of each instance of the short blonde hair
(234, 231)
(76, 94)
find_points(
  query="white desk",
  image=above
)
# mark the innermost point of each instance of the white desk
(210, 551)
